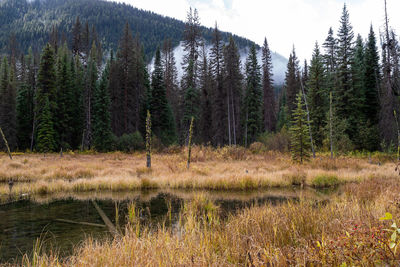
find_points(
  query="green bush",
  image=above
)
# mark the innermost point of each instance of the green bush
(323, 180)
(275, 141)
(129, 142)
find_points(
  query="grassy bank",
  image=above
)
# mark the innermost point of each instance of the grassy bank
(222, 169)
(346, 231)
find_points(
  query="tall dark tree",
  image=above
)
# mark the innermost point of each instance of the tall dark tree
(344, 91)
(233, 82)
(220, 114)
(317, 96)
(269, 108)
(102, 133)
(205, 86)
(163, 123)
(45, 100)
(253, 99)
(77, 37)
(292, 81)
(8, 104)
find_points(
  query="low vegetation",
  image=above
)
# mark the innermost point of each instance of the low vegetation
(354, 228)
(227, 168)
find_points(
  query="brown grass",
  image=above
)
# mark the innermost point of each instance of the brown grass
(301, 233)
(228, 168)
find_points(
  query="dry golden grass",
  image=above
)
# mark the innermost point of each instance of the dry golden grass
(222, 169)
(301, 233)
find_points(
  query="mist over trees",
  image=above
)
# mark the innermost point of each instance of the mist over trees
(74, 95)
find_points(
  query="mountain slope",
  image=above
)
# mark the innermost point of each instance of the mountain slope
(31, 22)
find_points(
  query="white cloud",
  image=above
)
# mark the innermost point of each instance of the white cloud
(283, 22)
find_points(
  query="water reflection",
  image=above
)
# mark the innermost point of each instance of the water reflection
(49, 217)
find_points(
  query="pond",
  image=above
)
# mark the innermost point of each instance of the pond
(63, 221)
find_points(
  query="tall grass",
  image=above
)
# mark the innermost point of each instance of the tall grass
(345, 230)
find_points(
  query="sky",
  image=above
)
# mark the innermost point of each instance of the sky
(283, 22)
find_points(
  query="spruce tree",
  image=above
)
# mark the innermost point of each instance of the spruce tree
(163, 124)
(268, 90)
(45, 99)
(45, 133)
(233, 81)
(7, 103)
(102, 133)
(292, 81)
(220, 113)
(253, 99)
(300, 140)
(344, 91)
(317, 96)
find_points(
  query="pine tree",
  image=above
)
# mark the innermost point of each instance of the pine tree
(45, 133)
(253, 99)
(317, 96)
(102, 134)
(268, 90)
(163, 121)
(357, 100)
(300, 139)
(25, 104)
(344, 91)
(45, 99)
(205, 86)
(220, 114)
(233, 81)
(7, 103)
(372, 78)
(292, 81)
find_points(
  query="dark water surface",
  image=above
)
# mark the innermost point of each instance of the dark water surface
(23, 222)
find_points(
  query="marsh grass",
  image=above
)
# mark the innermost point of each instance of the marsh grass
(227, 168)
(345, 230)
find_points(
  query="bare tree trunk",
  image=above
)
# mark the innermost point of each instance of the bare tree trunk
(6, 143)
(308, 120)
(190, 143)
(245, 134)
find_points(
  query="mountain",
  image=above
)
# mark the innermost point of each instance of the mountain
(32, 21)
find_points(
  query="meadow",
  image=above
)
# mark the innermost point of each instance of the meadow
(354, 227)
(211, 169)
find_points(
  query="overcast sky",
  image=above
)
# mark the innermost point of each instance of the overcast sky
(283, 22)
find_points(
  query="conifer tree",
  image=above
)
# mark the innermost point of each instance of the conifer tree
(45, 133)
(233, 81)
(163, 124)
(7, 103)
(25, 104)
(300, 141)
(371, 106)
(268, 90)
(253, 99)
(90, 86)
(317, 96)
(220, 114)
(292, 81)
(45, 99)
(102, 134)
(205, 85)
(344, 91)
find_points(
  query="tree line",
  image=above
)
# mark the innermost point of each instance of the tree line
(67, 98)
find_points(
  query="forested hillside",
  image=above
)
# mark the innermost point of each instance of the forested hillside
(31, 22)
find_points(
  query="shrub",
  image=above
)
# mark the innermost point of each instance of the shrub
(275, 141)
(257, 147)
(324, 180)
(129, 142)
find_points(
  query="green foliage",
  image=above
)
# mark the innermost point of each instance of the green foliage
(300, 140)
(253, 122)
(323, 180)
(129, 142)
(46, 134)
(163, 122)
(102, 134)
(275, 141)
